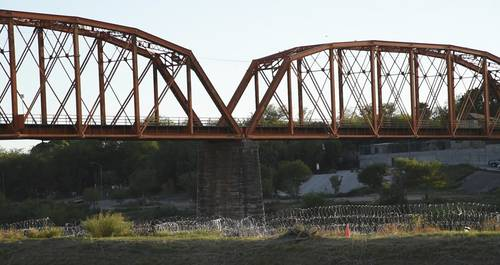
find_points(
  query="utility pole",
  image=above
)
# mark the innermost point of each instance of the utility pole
(99, 178)
(3, 184)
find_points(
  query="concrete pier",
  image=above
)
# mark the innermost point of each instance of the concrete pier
(229, 180)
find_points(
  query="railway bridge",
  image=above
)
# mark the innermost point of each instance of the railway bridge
(65, 77)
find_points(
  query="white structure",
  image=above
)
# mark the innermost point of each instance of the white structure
(458, 153)
(321, 183)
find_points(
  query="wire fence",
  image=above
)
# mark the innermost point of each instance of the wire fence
(362, 219)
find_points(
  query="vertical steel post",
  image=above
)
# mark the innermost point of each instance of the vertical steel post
(41, 69)
(379, 86)
(299, 90)
(13, 72)
(290, 107)
(414, 105)
(135, 79)
(486, 100)
(155, 94)
(102, 92)
(417, 87)
(256, 85)
(374, 87)
(341, 85)
(189, 98)
(78, 91)
(451, 91)
(332, 92)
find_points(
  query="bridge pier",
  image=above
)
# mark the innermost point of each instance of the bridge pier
(229, 180)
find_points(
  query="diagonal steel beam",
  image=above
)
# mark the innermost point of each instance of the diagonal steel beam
(267, 96)
(214, 95)
(169, 79)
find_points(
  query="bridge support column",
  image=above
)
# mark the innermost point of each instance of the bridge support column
(229, 180)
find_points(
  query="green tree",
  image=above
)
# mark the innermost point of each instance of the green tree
(336, 181)
(388, 111)
(143, 181)
(274, 116)
(373, 175)
(91, 195)
(414, 173)
(424, 111)
(311, 200)
(291, 174)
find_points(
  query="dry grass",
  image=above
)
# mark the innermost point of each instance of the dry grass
(444, 248)
(107, 225)
(11, 234)
(49, 232)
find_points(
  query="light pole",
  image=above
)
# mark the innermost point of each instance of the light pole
(99, 172)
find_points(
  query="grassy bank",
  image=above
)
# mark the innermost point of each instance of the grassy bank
(438, 248)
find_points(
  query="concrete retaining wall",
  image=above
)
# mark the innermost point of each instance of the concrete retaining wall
(474, 156)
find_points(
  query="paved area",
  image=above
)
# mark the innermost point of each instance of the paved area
(481, 181)
(321, 183)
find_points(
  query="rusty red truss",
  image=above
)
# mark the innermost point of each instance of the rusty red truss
(70, 77)
(374, 89)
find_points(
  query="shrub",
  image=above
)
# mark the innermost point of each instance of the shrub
(291, 174)
(49, 232)
(313, 200)
(373, 175)
(11, 234)
(392, 194)
(107, 225)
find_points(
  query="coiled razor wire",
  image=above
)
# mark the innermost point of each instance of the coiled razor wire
(360, 218)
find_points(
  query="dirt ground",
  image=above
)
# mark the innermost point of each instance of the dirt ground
(481, 249)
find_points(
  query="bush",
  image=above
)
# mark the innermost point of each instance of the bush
(310, 200)
(373, 175)
(291, 174)
(392, 194)
(49, 232)
(107, 225)
(11, 234)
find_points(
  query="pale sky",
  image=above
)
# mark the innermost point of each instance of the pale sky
(225, 35)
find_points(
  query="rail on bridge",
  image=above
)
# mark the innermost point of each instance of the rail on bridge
(71, 77)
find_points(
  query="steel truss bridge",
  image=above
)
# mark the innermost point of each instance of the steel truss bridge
(67, 77)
